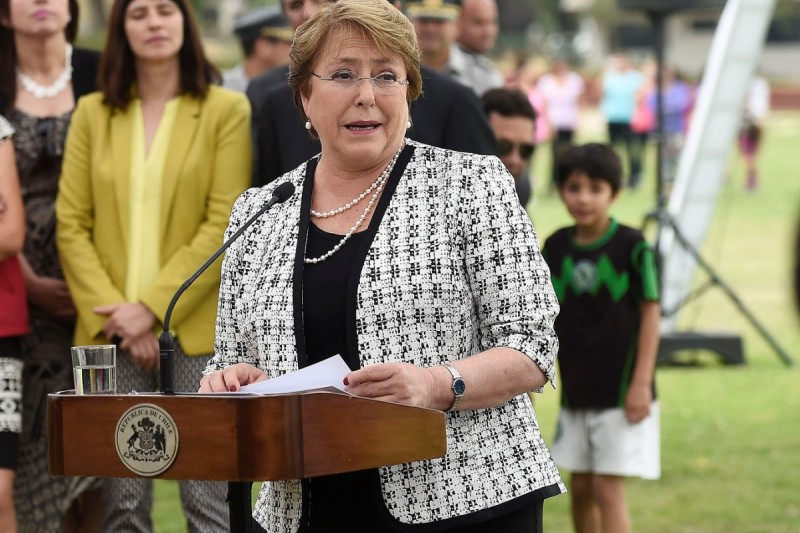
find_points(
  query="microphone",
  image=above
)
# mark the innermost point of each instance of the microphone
(166, 342)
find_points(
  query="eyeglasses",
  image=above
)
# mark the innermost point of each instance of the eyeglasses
(385, 82)
(504, 147)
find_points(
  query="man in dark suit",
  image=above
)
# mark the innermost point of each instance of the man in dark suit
(296, 12)
(448, 115)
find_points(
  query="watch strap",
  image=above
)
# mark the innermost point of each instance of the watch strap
(457, 387)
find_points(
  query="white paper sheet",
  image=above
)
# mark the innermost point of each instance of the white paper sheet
(327, 373)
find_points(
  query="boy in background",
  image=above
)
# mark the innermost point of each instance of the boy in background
(605, 278)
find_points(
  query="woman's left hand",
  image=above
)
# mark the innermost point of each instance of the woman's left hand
(126, 320)
(395, 382)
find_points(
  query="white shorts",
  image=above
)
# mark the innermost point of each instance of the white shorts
(602, 441)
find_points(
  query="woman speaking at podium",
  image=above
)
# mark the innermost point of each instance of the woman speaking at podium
(419, 266)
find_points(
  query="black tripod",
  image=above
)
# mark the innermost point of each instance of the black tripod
(663, 219)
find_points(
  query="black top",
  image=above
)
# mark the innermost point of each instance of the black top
(601, 287)
(325, 294)
(350, 501)
(342, 502)
(353, 501)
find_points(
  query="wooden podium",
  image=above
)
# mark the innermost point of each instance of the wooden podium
(235, 438)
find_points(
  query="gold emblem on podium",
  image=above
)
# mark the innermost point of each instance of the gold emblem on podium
(146, 439)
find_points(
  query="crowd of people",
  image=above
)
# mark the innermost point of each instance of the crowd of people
(406, 249)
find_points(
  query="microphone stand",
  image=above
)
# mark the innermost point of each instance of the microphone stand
(239, 493)
(166, 341)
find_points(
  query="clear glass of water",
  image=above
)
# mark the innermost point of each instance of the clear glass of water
(93, 368)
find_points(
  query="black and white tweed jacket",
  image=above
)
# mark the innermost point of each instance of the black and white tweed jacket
(454, 269)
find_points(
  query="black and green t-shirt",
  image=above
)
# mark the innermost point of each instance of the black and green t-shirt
(600, 287)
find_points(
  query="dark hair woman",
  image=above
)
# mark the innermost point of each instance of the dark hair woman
(118, 65)
(152, 166)
(41, 78)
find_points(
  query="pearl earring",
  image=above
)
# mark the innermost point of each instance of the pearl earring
(308, 124)
(408, 124)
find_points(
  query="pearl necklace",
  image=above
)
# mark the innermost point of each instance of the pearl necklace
(351, 203)
(378, 186)
(49, 91)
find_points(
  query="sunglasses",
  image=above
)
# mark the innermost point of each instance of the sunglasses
(504, 147)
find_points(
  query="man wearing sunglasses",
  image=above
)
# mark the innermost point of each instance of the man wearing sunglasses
(513, 120)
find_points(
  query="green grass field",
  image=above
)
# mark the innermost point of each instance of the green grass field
(730, 435)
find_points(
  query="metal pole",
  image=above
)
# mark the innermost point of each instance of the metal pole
(658, 20)
(716, 280)
(239, 496)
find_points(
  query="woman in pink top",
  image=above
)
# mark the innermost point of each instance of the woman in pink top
(561, 90)
(527, 76)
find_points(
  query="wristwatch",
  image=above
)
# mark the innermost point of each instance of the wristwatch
(458, 387)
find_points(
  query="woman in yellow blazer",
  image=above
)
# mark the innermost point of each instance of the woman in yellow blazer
(152, 166)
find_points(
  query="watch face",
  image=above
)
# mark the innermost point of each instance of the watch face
(459, 387)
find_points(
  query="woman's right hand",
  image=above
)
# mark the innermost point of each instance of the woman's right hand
(51, 295)
(232, 378)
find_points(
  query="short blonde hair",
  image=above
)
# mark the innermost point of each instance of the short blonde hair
(376, 20)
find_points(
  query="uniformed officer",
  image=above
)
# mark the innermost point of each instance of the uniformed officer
(437, 25)
(266, 39)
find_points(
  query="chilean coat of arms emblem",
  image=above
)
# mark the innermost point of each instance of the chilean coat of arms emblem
(146, 439)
